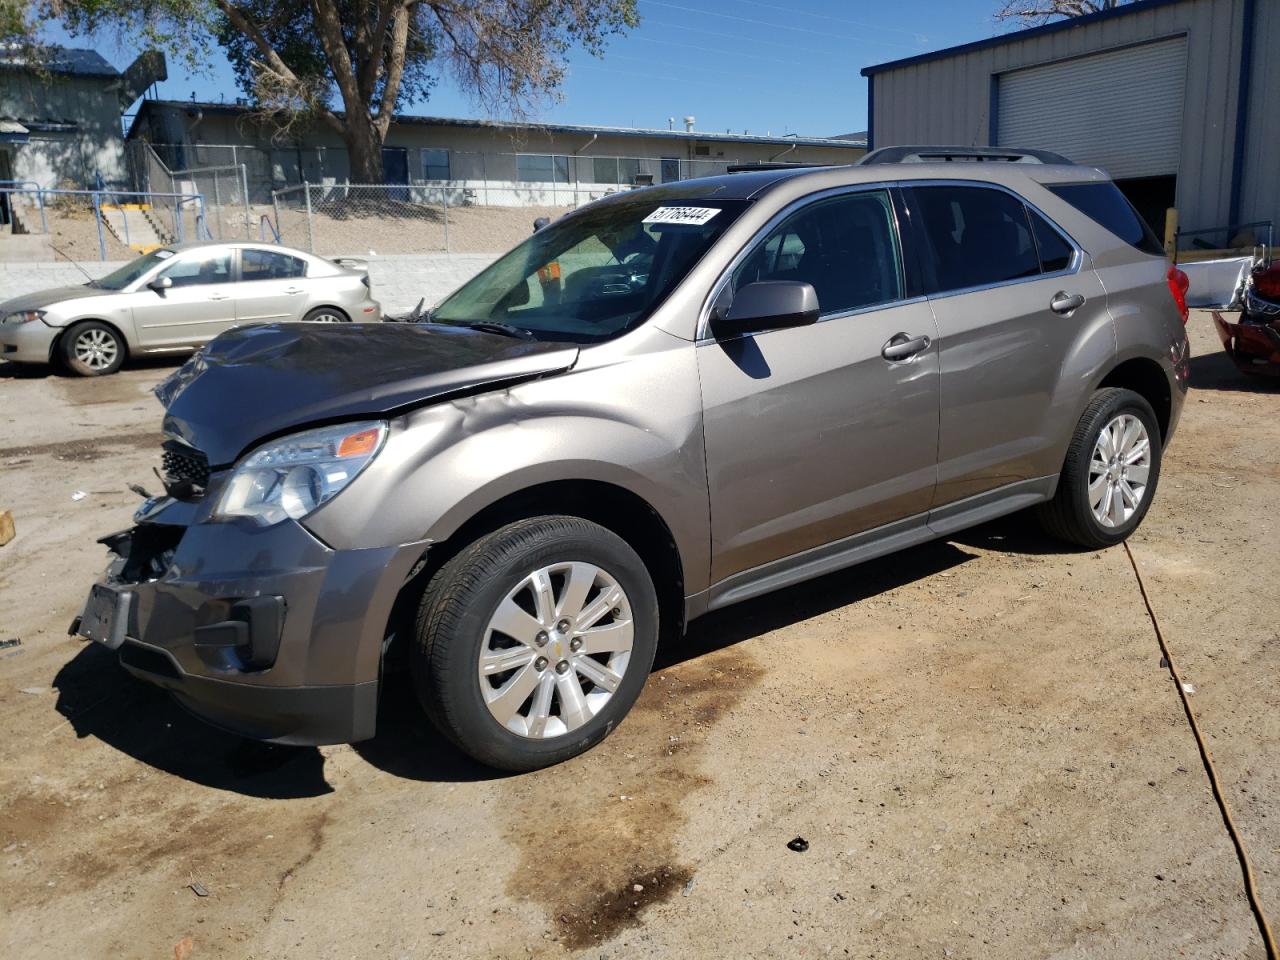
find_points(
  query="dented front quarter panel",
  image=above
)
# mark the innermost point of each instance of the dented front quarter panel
(444, 463)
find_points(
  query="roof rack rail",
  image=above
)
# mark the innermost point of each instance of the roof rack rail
(770, 165)
(932, 154)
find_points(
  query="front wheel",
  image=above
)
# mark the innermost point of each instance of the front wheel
(93, 349)
(1110, 474)
(535, 641)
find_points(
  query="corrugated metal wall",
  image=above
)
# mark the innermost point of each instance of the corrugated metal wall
(1260, 193)
(949, 100)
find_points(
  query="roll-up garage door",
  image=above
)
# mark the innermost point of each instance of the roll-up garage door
(1120, 110)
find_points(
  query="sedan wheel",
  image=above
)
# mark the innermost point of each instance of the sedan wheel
(325, 315)
(92, 349)
(556, 650)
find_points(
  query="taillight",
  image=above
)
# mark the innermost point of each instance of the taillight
(1178, 284)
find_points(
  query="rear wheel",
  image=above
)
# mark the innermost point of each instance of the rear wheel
(1110, 474)
(326, 315)
(535, 641)
(93, 349)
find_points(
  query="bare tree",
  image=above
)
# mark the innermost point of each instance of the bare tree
(1031, 13)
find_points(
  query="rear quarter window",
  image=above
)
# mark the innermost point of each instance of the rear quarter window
(1103, 203)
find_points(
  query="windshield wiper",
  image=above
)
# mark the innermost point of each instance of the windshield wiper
(505, 329)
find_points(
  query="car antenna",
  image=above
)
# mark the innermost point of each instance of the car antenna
(68, 258)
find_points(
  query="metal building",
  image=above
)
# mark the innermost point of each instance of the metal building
(1169, 96)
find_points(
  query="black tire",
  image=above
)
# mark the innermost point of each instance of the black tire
(454, 615)
(1069, 515)
(77, 353)
(314, 316)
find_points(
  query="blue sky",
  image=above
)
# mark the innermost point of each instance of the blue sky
(758, 65)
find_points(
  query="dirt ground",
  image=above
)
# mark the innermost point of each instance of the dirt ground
(975, 737)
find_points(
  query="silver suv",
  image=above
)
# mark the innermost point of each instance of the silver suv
(663, 403)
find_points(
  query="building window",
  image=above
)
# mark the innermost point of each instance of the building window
(604, 170)
(532, 168)
(670, 169)
(435, 163)
(628, 169)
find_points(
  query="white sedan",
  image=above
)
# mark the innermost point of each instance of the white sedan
(177, 298)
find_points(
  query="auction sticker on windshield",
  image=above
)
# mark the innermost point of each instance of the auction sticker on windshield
(694, 216)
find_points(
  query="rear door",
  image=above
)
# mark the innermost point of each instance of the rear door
(811, 434)
(272, 286)
(1013, 298)
(196, 308)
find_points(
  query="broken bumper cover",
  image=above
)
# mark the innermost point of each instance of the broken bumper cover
(1253, 345)
(264, 631)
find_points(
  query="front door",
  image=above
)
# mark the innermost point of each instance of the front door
(196, 308)
(1003, 283)
(271, 287)
(811, 434)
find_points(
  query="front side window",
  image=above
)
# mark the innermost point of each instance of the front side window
(596, 273)
(972, 237)
(199, 269)
(536, 168)
(845, 246)
(269, 265)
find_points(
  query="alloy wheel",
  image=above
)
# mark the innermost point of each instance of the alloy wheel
(1118, 470)
(96, 349)
(556, 649)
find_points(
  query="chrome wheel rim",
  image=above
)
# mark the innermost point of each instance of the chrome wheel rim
(556, 649)
(326, 317)
(96, 349)
(1119, 470)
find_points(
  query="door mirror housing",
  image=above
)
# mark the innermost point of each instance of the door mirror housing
(767, 305)
(161, 284)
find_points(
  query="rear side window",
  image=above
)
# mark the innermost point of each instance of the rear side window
(269, 265)
(1055, 253)
(1102, 202)
(845, 246)
(972, 237)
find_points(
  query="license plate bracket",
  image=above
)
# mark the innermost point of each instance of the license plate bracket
(105, 619)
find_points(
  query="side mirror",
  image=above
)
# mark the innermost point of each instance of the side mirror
(767, 305)
(540, 223)
(161, 284)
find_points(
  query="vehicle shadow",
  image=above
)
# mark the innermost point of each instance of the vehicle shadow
(1215, 371)
(101, 700)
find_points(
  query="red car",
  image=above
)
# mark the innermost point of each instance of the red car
(1254, 343)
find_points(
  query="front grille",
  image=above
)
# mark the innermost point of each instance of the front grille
(183, 464)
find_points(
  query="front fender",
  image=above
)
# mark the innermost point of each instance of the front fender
(636, 425)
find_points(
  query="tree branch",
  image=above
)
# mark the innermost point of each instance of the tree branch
(395, 56)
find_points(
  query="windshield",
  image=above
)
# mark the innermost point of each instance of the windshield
(119, 279)
(596, 273)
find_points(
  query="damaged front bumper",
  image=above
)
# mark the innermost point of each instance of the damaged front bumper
(1252, 343)
(263, 631)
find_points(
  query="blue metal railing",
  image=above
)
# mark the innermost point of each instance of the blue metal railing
(265, 224)
(120, 200)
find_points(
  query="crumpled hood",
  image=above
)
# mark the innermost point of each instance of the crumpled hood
(259, 381)
(46, 298)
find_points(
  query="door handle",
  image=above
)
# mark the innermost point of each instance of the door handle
(903, 346)
(219, 296)
(1064, 302)
(292, 290)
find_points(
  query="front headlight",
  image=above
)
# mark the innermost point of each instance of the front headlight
(23, 316)
(294, 475)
